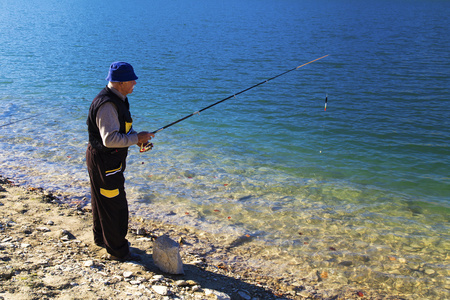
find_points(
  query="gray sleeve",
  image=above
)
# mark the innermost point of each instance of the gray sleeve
(108, 123)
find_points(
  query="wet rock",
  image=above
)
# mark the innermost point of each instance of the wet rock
(346, 263)
(239, 241)
(429, 271)
(189, 174)
(166, 255)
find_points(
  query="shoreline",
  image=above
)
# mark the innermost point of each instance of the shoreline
(47, 251)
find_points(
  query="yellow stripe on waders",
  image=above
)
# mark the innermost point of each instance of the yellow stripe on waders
(112, 172)
(109, 193)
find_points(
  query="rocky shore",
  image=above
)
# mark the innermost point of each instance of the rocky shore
(46, 252)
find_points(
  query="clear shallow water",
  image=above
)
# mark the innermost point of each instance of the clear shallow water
(369, 177)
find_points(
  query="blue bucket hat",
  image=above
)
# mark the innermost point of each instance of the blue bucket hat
(120, 71)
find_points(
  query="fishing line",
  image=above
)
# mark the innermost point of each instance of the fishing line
(20, 120)
(148, 146)
(37, 115)
(323, 122)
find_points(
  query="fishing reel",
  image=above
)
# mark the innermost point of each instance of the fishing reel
(146, 147)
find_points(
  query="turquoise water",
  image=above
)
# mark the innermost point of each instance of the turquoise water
(368, 177)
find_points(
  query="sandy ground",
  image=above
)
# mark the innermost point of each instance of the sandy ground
(47, 252)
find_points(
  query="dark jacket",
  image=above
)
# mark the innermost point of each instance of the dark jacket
(125, 120)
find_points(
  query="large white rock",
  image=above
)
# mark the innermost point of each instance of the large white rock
(166, 255)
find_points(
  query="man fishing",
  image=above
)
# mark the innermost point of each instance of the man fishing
(110, 134)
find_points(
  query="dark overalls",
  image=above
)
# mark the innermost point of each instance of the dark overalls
(106, 167)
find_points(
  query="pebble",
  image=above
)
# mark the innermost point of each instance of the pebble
(191, 282)
(162, 290)
(43, 229)
(158, 277)
(7, 245)
(8, 239)
(88, 263)
(127, 274)
(140, 231)
(181, 283)
(244, 295)
(197, 262)
(65, 238)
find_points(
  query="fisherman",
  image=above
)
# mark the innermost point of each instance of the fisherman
(110, 134)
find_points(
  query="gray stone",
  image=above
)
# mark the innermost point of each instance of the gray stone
(166, 255)
(216, 294)
(244, 295)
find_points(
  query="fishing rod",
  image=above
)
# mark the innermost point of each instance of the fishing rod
(148, 146)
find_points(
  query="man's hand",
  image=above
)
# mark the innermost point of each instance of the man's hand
(144, 137)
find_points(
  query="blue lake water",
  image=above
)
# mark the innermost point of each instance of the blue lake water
(369, 176)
